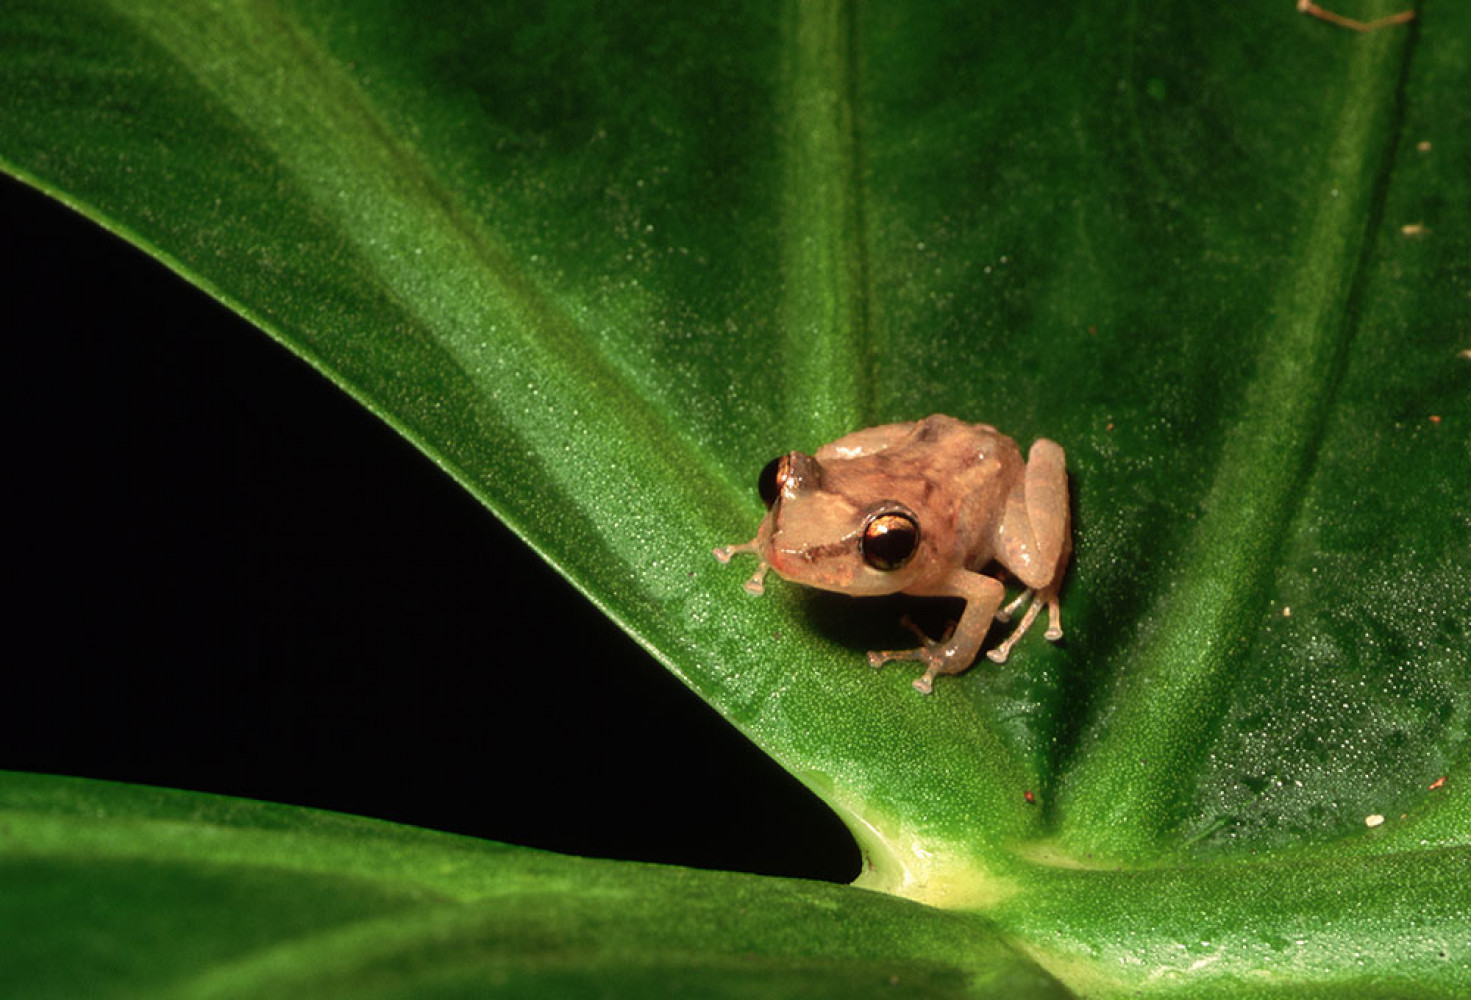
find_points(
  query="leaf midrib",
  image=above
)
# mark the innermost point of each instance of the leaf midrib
(1121, 798)
(381, 192)
(825, 301)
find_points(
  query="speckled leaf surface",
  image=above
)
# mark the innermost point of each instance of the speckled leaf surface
(1219, 252)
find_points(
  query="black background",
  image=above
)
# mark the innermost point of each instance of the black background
(226, 576)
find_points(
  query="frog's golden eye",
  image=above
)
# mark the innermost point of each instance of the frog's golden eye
(768, 484)
(890, 540)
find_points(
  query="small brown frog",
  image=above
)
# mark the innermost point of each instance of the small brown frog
(921, 508)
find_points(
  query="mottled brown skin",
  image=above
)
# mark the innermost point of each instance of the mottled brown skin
(976, 502)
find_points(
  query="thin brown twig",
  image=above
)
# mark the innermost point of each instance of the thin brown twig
(1312, 9)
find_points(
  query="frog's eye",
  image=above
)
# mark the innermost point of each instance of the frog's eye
(890, 540)
(768, 484)
(789, 473)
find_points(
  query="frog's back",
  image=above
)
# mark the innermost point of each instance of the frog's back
(962, 456)
(955, 474)
(914, 437)
(976, 467)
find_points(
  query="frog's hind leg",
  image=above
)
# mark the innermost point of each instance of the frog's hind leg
(1048, 514)
(1038, 598)
(1054, 618)
(1036, 542)
(1004, 615)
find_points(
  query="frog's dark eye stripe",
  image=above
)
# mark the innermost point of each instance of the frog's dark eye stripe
(768, 484)
(890, 540)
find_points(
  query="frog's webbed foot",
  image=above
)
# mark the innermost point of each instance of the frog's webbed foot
(756, 584)
(938, 655)
(1054, 621)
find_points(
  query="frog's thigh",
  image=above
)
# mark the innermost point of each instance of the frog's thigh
(1037, 519)
(1047, 502)
(865, 442)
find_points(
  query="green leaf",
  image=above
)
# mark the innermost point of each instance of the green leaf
(143, 892)
(1220, 253)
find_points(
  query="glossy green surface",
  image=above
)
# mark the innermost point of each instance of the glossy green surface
(584, 256)
(147, 892)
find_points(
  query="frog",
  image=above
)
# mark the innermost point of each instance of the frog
(937, 507)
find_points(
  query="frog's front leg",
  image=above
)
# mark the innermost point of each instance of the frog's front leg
(956, 651)
(756, 583)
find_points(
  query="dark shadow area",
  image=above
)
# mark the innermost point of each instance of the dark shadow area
(865, 623)
(227, 576)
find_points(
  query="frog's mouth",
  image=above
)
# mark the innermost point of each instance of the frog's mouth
(813, 554)
(824, 564)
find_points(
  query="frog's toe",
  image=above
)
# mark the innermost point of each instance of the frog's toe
(1054, 618)
(1004, 614)
(878, 657)
(936, 657)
